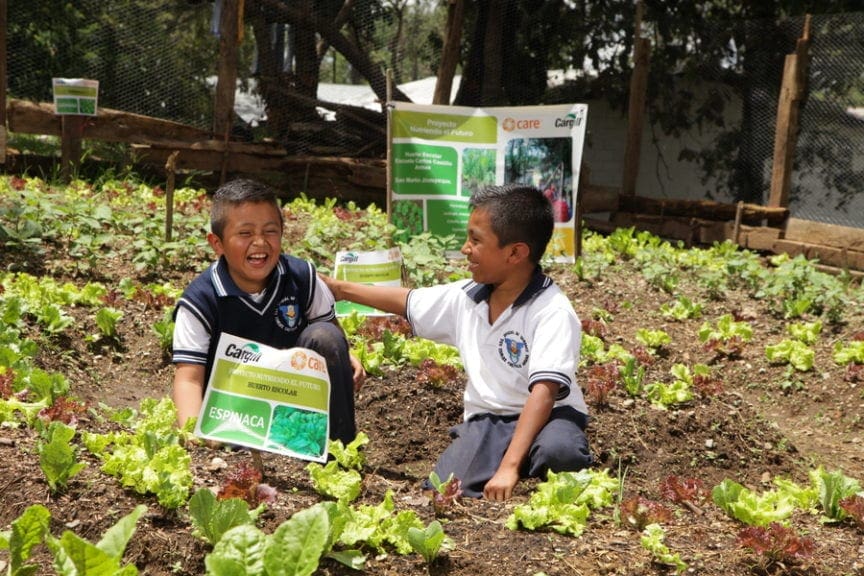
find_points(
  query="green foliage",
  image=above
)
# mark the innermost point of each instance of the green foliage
(212, 518)
(340, 478)
(852, 353)
(806, 332)
(752, 508)
(57, 456)
(727, 336)
(380, 526)
(107, 319)
(793, 352)
(593, 351)
(408, 218)
(797, 287)
(425, 258)
(429, 541)
(299, 430)
(563, 502)
(334, 482)
(27, 531)
(680, 390)
(632, 375)
(652, 540)
(350, 457)
(151, 459)
(125, 219)
(682, 308)
(164, 330)
(832, 488)
(75, 556)
(295, 547)
(653, 339)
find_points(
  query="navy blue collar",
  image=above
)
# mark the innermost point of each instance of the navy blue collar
(225, 285)
(539, 281)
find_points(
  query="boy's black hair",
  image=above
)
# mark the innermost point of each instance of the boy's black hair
(238, 192)
(518, 213)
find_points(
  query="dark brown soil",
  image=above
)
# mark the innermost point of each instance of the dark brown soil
(752, 431)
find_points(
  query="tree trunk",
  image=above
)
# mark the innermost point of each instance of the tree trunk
(492, 87)
(450, 56)
(482, 78)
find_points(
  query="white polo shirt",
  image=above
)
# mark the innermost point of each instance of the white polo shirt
(536, 339)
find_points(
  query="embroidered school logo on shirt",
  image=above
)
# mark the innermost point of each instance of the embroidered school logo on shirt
(287, 314)
(513, 349)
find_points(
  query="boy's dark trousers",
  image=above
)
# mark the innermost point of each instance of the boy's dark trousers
(329, 341)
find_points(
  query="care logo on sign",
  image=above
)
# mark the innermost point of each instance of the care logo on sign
(249, 352)
(302, 361)
(511, 124)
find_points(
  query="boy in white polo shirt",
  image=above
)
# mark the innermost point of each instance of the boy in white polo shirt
(518, 337)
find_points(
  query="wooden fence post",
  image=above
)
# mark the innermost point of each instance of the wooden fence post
(171, 170)
(72, 130)
(786, 132)
(3, 22)
(230, 34)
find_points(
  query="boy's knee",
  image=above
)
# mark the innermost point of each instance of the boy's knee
(560, 457)
(324, 338)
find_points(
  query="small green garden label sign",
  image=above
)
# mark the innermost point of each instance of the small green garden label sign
(266, 398)
(375, 267)
(75, 96)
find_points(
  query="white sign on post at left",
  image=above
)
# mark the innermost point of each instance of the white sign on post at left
(75, 96)
(267, 398)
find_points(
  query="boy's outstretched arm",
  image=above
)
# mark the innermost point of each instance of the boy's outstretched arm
(392, 299)
(188, 391)
(534, 416)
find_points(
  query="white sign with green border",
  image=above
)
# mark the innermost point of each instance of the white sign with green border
(75, 96)
(269, 399)
(377, 267)
(439, 155)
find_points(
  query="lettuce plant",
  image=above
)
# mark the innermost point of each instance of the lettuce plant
(150, 459)
(27, 532)
(74, 555)
(776, 544)
(726, 336)
(295, 547)
(752, 508)
(564, 501)
(652, 540)
(446, 492)
(852, 353)
(653, 339)
(797, 354)
(429, 541)
(57, 457)
(682, 308)
(212, 517)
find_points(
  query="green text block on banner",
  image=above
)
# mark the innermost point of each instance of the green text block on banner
(375, 267)
(269, 399)
(448, 217)
(447, 127)
(424, 169)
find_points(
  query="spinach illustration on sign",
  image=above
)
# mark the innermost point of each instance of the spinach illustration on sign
(301, 431)
(408, 218)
